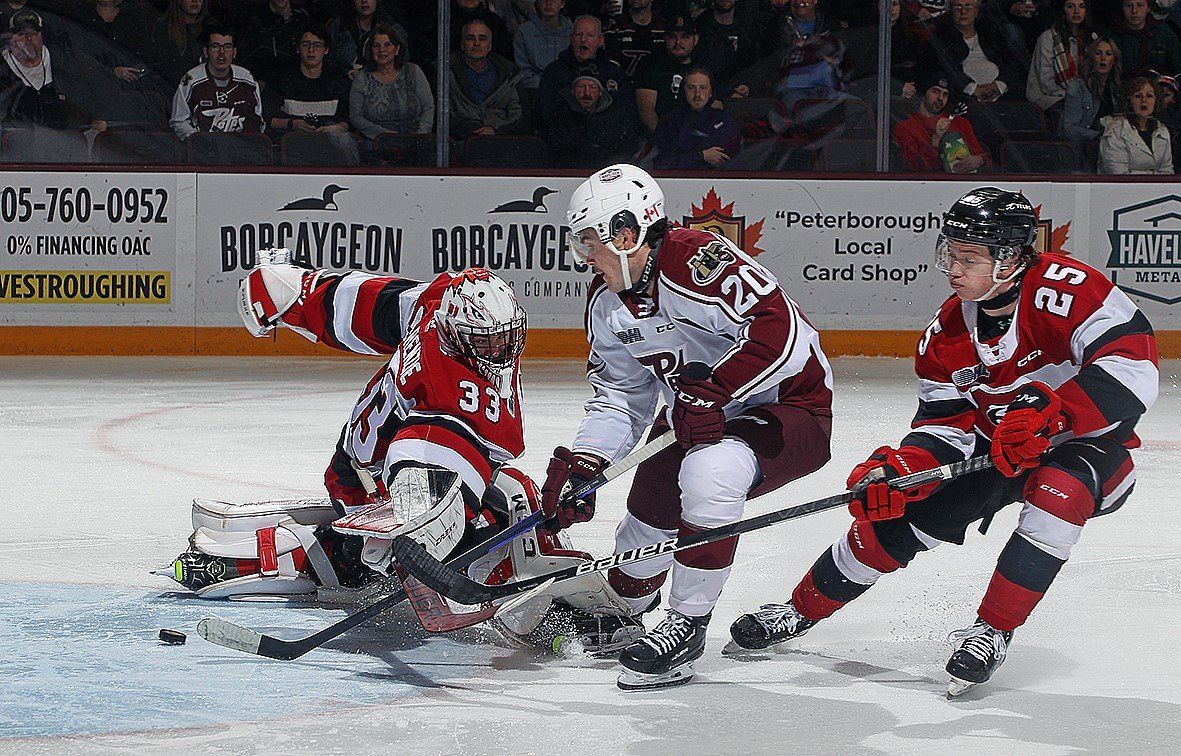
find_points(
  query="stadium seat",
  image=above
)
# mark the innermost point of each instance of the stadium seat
(1042, 156)
(415, 150)
(138, 147)
(230, 149)
(858, 156)
(40, 145)
(997, 121)
(518, 151)
(313, 149)
(771, 155)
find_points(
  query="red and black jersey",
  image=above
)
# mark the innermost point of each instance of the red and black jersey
(1073, 330)
(711, 303)
(422, 406)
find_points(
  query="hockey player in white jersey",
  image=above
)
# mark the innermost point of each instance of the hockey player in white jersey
(754, 415)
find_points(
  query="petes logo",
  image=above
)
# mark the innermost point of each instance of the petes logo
(708, 262)
(1145, 255)
(721, 220)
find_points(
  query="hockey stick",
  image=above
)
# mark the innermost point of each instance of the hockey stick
(230, 635)
(458, 587)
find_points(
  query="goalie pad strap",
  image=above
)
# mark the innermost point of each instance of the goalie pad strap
(268, 559)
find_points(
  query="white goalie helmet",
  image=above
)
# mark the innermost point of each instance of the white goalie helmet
(481, 323)
(618, 196)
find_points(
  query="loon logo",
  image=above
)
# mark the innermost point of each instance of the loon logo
(1145, 255)
(535, 205)
(327, 201)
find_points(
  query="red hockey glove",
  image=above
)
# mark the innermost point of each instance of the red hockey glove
(566, 472)
(880, 500)
(1023, 434)
(697, 415)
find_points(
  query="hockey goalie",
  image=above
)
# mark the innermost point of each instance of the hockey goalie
(425, 453)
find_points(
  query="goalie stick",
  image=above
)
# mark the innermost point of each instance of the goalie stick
(458, 587)
(230, 635)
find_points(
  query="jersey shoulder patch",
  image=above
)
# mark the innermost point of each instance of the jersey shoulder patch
(696, 259)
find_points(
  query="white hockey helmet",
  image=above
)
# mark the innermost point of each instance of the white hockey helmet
(612, 199)
(482, 323)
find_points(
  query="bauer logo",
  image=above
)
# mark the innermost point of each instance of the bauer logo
(720, 219)
(1145, 255)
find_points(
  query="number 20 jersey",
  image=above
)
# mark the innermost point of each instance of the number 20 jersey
(1073, 330)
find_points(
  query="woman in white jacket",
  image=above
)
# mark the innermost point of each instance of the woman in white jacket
(1057, 54)
(1134, 142)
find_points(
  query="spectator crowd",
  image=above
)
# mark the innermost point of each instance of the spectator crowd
(1040, 86)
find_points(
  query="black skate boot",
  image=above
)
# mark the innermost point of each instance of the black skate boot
(979, 650)
(664, 657)
(195, 570)
(569, 630)
(770, 625)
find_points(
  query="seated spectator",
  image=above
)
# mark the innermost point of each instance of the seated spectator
(727, 46)
(483, 87)
(114, 54)
(1145, 42)
(270, 39)
(1094, 95)
(658, 82)
(1024, 20)
(974, 55)
(1057, 55)
(311, 96)
(515, 13)
(591, 128)
(1168, 112)
(539, 41)
(585, 56)
(349, 34)
(932, 142)
(926, 10)
(904, 54)
(174, 44)
(634, 36)
(217, 96)
(814, 66)
(696, 134)
(1135, 142)
(390, 96)
(463, 11)
(29, 95)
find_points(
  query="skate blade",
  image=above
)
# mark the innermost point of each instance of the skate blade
(956, 687)
(629, 680)
(735, 651)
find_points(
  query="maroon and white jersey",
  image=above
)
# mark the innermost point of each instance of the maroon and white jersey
(711, 303)
(423, 405)
(1073, 330)
(203, 103)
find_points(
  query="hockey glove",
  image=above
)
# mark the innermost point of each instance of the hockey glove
(270, 290)
(1023, 434)
(566, 472)
(697, 414)
(878, 500)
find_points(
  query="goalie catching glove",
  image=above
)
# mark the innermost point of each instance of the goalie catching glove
(1023, 434)
(269, 291)
(879, 500)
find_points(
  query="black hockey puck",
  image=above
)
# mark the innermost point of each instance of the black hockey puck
(697, 371)
(173, 637)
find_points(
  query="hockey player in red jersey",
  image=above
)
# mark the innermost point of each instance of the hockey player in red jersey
(754, 416)
(1037, 360)
(426, 446)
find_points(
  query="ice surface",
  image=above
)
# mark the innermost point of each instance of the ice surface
(101, 457)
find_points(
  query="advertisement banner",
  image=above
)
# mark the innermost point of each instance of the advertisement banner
(94, 249)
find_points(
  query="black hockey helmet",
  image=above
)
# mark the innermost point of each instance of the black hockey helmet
(1003, 221)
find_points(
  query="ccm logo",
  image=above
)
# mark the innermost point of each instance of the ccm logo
(1054, 491)
(1029, 358)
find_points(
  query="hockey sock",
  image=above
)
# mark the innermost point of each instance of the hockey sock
(852, 565)
(699, 574)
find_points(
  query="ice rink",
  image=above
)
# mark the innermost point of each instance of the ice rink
(102, 456)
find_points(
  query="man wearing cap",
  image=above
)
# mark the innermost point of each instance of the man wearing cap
(658, 82)
(584, 57)
(932, 142)
(591, 127)
(28, 94)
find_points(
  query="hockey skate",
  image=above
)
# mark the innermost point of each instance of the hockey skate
(664, 657)
(979, 650)
(771, 625)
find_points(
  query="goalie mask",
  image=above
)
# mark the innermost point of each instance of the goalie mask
(617, 197)
(482, 324)
(1003, 222)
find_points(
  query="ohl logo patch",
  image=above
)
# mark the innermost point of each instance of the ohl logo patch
(720, 219)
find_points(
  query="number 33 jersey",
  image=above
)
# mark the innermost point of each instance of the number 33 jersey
(1073, 330)
(710, 303)
(423, 405)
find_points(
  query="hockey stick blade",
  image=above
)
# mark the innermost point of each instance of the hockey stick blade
(459, 587)
(227, 634)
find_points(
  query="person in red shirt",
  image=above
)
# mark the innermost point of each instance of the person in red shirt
(932, 142)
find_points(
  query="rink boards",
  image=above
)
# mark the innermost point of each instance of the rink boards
(132, 263)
